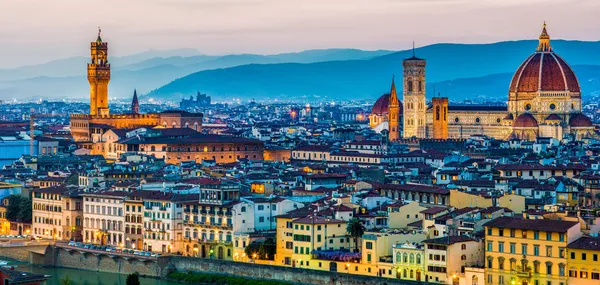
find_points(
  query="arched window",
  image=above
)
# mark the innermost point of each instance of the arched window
(398, 257)
(463, 257)
(409, 84)
(152, 148)
(463, 247)
(437, 113)
(418, 259)
(405, 259)
(412, 258)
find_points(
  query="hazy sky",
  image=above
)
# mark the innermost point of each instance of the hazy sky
(34, 31)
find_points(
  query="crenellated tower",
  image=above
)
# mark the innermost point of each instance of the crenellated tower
(98, 77)
(414, 97)
(394, 114)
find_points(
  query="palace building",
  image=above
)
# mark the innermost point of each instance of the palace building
(544, 100)
(89, 127)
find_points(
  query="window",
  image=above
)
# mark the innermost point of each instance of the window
(595, 257)
(524, 249)
(583, 256)
(489, 232)
(595, 275)
(490, 246)
(512, 231)
(501, 232)
(548, 268)
(548, 251)
(572, 255)
(536, 235)
(524, 234)
(261, 207)
(536, 250)
(512, 247)
(500, 247)
(561, 237)
(369, 245)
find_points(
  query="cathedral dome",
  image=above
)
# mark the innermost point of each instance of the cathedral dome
(525, 121)
(580, 121)
(544, 70)
(381, 106)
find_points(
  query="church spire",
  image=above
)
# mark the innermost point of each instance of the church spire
(393, 95)
(135, 104)
(544, 45)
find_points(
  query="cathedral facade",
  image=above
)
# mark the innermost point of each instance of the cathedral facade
(88, 128)
(544, 100)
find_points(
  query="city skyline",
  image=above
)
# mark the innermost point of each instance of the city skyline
(267, 27)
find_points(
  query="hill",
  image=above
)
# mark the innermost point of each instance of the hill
(460, 70)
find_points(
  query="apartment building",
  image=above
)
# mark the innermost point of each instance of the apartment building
(104, 217)
(528, 252)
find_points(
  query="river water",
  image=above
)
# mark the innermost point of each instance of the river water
(82, 277)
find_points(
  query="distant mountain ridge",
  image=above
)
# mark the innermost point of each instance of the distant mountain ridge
(145, 71)
(453, 69)
(456, 70)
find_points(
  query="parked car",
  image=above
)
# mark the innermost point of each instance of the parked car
(147, 254)
(137, 252)
(71, 243)
(87, 246)
(78, 244)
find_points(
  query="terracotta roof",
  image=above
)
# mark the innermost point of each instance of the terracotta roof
(536, 225)
(580, 121)
(448, 240)
(585, 242)
(525, 120)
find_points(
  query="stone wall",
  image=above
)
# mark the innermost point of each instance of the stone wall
(162, 266)
(21, 253)
(104, 263)
(294, 275)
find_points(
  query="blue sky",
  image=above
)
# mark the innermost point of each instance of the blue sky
(34, 31)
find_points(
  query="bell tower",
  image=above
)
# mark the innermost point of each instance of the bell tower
(414, 97)
(98, 77)
(440, 117)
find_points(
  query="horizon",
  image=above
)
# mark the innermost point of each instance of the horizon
(267, 26)
(199, 52)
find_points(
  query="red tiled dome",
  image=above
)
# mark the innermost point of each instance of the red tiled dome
(381, 106)
(525, 121)
(544, 71)
(580, 121)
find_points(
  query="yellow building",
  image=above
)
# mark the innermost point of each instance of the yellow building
(528, 252)
(4, 223)
(583, 266)
(459, 200)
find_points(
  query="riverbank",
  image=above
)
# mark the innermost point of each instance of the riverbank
(204, 278)
(161, 267)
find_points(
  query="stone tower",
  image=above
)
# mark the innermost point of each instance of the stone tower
(135, 104)
(394, 114)
(440, 118)
(414, 97)
(98, 77)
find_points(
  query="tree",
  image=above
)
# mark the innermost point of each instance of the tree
(66, 281)
(25, 210)
(133, 279)
(355, 229)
